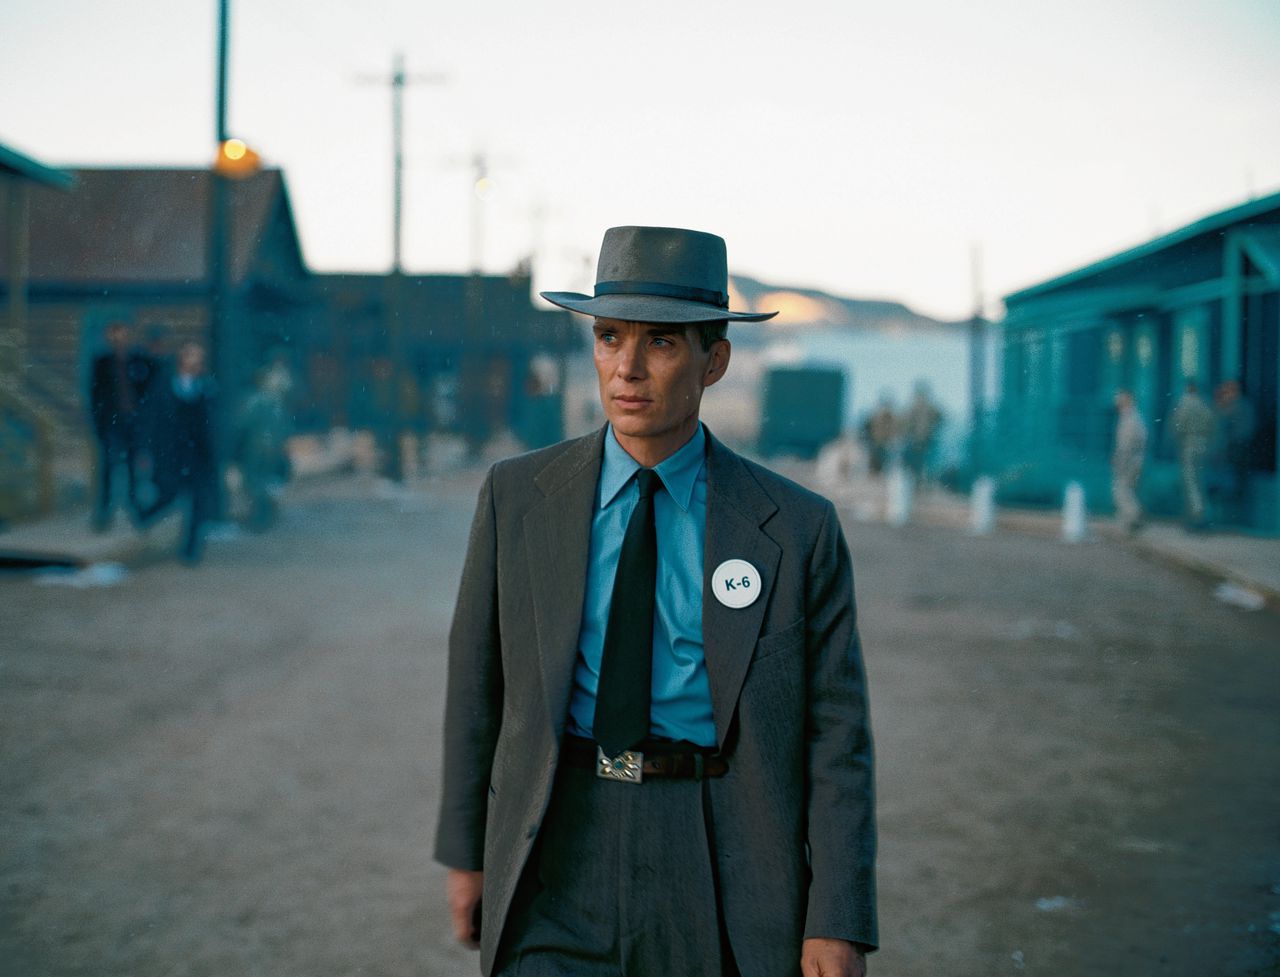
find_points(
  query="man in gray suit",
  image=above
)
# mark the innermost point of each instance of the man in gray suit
(657, 753)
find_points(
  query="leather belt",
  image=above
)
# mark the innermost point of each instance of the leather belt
(653, 759)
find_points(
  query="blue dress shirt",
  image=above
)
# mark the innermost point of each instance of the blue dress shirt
(680, 702)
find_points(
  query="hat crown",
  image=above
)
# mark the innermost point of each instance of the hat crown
(670, 256)
(659, 274)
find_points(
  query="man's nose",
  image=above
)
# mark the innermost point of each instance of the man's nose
(631, 363)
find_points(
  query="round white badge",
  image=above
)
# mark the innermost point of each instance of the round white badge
(736, 583)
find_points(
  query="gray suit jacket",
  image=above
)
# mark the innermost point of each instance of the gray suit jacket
(793, 820)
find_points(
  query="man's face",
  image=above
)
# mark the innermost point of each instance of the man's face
(652, 375)
(191, 360)
(118, 336)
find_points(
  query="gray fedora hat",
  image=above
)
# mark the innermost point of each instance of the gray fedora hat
(659, 274)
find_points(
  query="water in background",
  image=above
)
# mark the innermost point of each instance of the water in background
(880, 363)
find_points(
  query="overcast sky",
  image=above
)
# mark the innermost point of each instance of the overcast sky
(861, 148)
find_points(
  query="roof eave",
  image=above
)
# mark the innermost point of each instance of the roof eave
(26, 168)
(1207, 225)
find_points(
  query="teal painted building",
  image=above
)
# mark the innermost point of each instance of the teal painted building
(1202, 303)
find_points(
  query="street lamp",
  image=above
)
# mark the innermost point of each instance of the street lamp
(235, 160)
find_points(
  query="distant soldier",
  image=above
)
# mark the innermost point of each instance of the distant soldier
(116, 387)
(1193, 426)
(920, 427)
(879, 430)
(186, 466)
(261, 435)
(1126, 461)
(1236, 424)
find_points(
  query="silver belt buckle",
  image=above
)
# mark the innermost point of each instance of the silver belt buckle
(627, 767)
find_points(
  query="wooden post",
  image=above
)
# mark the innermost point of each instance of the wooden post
(1232, 311)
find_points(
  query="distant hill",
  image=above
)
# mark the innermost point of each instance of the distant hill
(808, 307)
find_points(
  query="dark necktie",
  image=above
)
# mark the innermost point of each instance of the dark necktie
(626, 665)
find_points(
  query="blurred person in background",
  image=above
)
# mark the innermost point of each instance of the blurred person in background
(879, 431)
(117, 386)
(919, 429)
(1237, 423)
(186, 468)
(151, 405)
(1193, 427)
(1127, 456)
(262, 433)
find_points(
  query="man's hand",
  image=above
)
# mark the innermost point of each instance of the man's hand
(832, 958)
(463, 891)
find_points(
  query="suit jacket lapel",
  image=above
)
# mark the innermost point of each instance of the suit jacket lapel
(557, 542)
(737, 507)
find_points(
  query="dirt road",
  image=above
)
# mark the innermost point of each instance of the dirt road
(233, 769)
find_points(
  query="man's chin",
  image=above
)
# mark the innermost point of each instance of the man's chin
(631, 426)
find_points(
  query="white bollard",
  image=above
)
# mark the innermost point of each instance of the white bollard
(408, 457)
(898, 507)
(982, 506)
(1073, 513)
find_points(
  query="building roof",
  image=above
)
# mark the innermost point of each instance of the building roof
(141, 226)
(1262, 245)
(1244, 214)
(436, 307)
(14, 163)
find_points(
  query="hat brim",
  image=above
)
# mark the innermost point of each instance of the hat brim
(649, 308)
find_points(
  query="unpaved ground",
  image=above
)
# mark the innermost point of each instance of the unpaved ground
(232, 770)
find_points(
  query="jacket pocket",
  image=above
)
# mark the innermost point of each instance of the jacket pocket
(780, 640)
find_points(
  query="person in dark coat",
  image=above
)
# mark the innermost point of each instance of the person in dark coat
(1237, 423)
(117, 385)
(154, 400)
(657, 751)
(185, 464)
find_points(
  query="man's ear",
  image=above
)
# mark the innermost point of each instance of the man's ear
(717, 362)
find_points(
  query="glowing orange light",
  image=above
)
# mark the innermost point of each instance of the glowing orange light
(236, 160)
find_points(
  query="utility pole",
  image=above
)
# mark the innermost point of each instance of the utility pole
(397, 166)
(221, 355)
(977, 361)
(482, 190)
(217, 202)
(391, 436)
(398, 80)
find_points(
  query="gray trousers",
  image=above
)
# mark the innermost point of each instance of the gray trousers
(621, 884)
(1193, 455)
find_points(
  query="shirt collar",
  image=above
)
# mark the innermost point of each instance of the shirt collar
(679, 473)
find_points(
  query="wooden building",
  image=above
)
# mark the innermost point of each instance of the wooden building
(134, 244)
(27, 438)
(1200, 303)
(473, 354)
